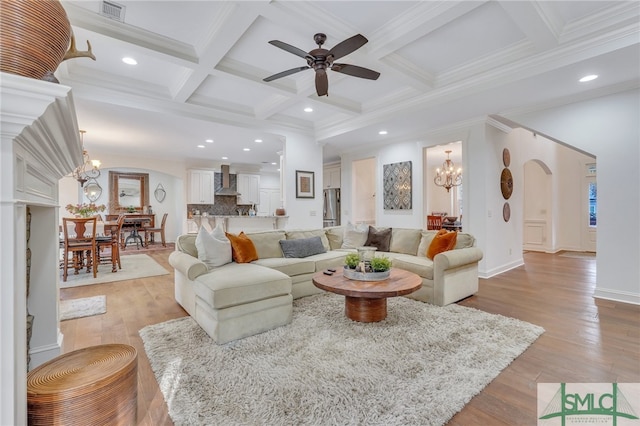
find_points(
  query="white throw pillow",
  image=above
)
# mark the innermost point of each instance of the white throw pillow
(214, 249)
(355, 236)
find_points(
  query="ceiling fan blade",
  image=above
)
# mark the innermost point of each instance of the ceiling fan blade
(347, 46)
(356, 71)
(291, 49)
(285, 73)
(322, 82)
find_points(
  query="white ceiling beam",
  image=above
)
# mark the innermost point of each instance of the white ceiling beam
(538, 24)
(416, 23)
(225, 29)
(170, 49)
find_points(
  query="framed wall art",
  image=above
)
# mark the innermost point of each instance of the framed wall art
(397, 186)
(305, 184)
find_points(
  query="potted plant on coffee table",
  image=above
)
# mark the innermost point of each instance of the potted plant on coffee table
(380, 264)
(375, 269)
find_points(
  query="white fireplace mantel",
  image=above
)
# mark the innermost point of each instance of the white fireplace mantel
(39, 144)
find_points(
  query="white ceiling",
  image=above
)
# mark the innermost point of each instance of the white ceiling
(201, 65)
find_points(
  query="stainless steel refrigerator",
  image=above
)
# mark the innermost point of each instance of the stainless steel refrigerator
(331, 212)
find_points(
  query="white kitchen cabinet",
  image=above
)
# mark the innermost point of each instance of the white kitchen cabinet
(269, 202)
(331, 177)
(200, 187)
(249, 189)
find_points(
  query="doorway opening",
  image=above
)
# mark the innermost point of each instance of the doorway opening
(363, 188)
(437, 200)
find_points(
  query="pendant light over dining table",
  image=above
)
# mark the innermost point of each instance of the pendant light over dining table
(448, 176)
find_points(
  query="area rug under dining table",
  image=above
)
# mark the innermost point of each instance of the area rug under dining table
(133, 266)
(419, 366)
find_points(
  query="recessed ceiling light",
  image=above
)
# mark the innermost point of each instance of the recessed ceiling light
(225, 158)
(588, 78)
(273, 164)
(200, 146)
(246, 149)
(129, 61)
(209, 141)
(382, 132)
(308, 109)
(258, 140)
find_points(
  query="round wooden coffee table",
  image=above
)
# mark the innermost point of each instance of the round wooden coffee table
(366, 301)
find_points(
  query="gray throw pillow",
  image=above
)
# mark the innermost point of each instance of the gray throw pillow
(379, 239)
(302, 247)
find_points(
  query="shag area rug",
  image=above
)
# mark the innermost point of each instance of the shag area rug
(133, 266)
(419, 366)
(84, 307)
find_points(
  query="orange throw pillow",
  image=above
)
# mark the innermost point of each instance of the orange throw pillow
(443, 241)
(242, 248)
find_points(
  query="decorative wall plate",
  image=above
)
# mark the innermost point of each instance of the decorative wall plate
(506, 183)
(506, 212)
(506, 157)
(160, 193)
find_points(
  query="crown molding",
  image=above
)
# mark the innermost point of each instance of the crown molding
(494, 120)
(182, 53)
(41, 117)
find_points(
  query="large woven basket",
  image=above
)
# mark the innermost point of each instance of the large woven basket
(93, 386)
(34, 36)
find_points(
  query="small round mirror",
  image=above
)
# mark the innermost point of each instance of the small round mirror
(92, 190)
(160, 193)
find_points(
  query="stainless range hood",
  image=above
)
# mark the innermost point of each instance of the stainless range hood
(226, 190)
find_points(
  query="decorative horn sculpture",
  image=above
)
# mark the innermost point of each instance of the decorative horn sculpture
(75, 53)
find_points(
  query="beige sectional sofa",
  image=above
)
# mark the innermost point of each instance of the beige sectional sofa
(239, 300)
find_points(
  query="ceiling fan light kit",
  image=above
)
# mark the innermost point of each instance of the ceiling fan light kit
(321, 59)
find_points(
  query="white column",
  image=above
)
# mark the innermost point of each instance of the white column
(39, 144)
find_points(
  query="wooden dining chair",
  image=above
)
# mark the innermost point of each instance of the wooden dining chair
(434, 222)
(111, 240)
(79, 239)
(152, 231)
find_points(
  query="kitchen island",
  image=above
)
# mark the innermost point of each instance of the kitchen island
(236, 223)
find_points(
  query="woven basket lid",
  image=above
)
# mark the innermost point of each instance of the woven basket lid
(78, 372)
(34, 36)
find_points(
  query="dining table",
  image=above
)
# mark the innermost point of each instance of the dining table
(134, 224)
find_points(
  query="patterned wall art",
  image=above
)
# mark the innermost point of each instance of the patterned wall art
(397, 186)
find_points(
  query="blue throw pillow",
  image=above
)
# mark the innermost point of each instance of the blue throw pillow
(302, 247)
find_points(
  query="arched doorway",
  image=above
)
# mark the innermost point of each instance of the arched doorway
(537, 207)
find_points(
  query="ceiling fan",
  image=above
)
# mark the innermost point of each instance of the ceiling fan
(320, 59)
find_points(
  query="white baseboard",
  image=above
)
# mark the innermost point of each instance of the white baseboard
(500, 269)
(42, 354)
(617, 295)
(541, 249)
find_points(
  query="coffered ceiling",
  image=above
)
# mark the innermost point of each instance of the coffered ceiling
(201, 66)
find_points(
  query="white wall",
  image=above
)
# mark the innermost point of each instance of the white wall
(302, 153)
(608, 128)
(269, 181)
(500, 241)
(409, 151)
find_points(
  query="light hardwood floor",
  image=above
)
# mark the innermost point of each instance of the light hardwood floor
(586, 339)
